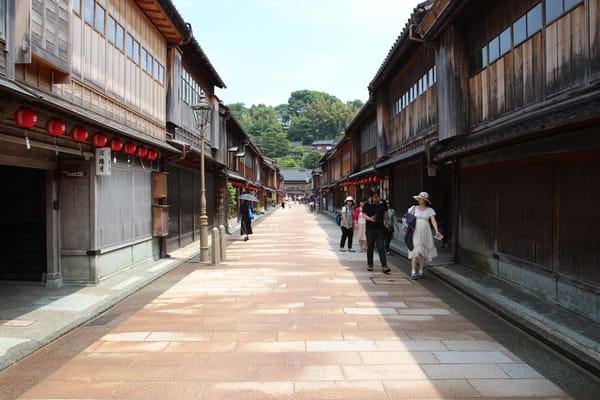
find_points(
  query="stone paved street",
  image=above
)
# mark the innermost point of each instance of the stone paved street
(286, 316)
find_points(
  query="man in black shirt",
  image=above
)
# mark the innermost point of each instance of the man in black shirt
(375, 213)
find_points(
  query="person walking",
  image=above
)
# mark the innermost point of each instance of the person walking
(347, 222)
(424, 246)
(375, 213)
(390, 227)
(360, 227)
(247, 215)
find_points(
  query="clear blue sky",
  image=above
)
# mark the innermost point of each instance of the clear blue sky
(265, 49)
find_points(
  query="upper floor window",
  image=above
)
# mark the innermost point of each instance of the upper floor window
(136, 52)
(417, 89)
(77, 6)
(99, 19)
(89, 12)
(94, 14)
(191, 92)
(556, 8)
(516, 33)
(111, 30)
(129, 46)
(120, 42)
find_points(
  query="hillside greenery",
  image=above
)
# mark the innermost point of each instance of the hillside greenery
(308, 116)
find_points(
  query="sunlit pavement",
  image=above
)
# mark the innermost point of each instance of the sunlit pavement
(285, 316)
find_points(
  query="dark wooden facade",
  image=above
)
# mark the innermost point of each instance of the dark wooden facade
(527, 158)
(492, 108)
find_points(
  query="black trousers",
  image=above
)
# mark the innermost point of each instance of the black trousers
(347, 233)
(389, 235)
(376, 238)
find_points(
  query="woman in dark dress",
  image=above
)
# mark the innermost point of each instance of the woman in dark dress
(246, 227)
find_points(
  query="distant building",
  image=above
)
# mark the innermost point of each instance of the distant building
(323, 145)
(296, 181)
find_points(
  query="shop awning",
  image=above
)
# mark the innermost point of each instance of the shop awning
(400, 157)
(235, 177)
(363, 172)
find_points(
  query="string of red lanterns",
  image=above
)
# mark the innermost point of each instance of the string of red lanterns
(358, 182)
(244, 186)
(26, 118)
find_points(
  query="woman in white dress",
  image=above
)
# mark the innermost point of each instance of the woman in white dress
(424, 247)
(360, 227)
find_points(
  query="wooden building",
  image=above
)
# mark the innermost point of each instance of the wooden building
(84, 134)
(192, 79)
(493, 107)
(518, 107)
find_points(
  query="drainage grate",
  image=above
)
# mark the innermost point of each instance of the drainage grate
(391, 281)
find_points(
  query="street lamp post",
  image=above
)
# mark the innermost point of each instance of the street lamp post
(201, 114)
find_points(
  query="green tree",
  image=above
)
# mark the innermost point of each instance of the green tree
(289, 162)
(301, 130)
(311, 159)
(272, 143)
(241, 114)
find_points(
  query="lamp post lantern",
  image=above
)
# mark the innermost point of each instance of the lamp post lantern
(201, 115)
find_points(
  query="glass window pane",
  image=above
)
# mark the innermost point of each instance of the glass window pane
(120, 35)
(150, 63)
(569, 4)
(155, 69)
(505, 43)
(144, 56)
(136, 52)
(534, 20)
(129, 46)
(161, 74)
(111, 26)
(77, 6)
(89, 11)
(99, 21)
(554, 9)
(494, 49)
(520, 30)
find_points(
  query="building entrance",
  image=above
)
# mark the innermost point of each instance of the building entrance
(22, 224)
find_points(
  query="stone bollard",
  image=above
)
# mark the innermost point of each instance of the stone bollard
(223, 239)
(216, 247)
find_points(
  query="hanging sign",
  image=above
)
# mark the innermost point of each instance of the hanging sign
(103, 162)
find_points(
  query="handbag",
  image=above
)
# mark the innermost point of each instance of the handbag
(250, 213)
(409, 220)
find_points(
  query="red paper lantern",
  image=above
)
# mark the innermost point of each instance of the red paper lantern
(78, 134)
(55, 127)
(115, 144)
(152, 155)
(98, 139)
(129, 148)
(377, 179)
(141, 151)
(25, 118)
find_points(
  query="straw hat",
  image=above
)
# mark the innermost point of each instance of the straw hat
(424, 196)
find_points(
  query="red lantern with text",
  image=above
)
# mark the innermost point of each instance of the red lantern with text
(25, 118)
(55, 127)
(129, 148)
(98, 139)
(152, 155)
(78, 134)
(115, 144)
(141, 152)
